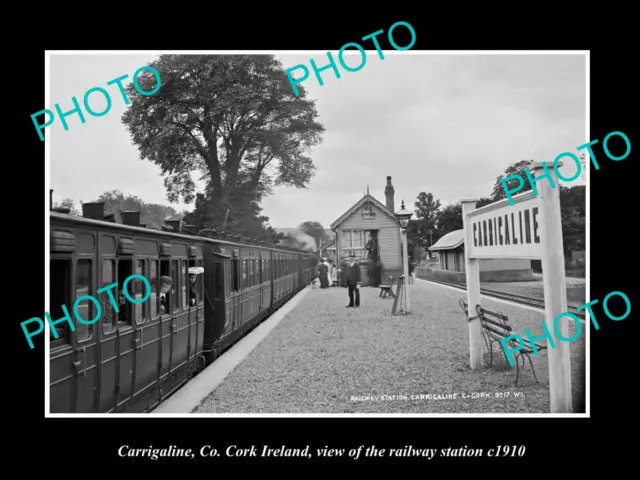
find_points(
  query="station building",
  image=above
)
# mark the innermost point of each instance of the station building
(369, 232)
(451, 264)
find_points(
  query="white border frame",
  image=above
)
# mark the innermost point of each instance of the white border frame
(47, 135)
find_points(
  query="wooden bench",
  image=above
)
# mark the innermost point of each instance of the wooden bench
(387, 289)
(494, 327)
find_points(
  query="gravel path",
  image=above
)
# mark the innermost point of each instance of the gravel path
(322, 355)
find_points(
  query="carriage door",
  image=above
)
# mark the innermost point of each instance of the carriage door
(180, 310)
(222, 320)
(166, 305)
(236, 291)
(260, 277)
(196, 307)
(147, 334)
(124, 331)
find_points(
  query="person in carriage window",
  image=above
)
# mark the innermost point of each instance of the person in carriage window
(122, 307)
(165, 286)
(193, 276)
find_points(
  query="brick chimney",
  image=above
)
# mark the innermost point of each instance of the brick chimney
(388, 193)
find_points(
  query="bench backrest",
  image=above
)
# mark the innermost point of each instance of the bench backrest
(494, 321)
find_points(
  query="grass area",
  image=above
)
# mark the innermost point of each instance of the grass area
(322, 355)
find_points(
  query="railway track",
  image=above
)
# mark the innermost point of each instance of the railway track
(513, 297)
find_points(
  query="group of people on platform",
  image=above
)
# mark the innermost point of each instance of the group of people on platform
(350, 277)
(327, 273)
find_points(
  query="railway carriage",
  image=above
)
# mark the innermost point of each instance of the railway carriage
(136, 355)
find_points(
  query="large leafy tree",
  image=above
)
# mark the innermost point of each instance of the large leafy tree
(519, 168)
(423, 228)
(231, 118)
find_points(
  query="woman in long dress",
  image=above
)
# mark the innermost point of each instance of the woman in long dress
(324, 275)
(328, 265)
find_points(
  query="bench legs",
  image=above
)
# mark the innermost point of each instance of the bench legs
(522, 355)
(518, 356)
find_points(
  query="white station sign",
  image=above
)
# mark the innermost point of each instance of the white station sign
(501, 230)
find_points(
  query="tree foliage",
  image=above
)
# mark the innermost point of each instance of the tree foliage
(316, 231)
(450, 219)
(70, 204)
(234, 120)
(573, 212)
(423, 227)
(151, 214)
(519, 168)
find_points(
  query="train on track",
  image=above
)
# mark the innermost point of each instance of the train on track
(137, 355)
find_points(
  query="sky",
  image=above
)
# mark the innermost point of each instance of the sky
(446, 124)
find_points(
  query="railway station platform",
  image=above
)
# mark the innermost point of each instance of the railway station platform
(320, 357)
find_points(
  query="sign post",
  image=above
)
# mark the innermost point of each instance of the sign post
(555, 292)
(473, 288)
(530, 228)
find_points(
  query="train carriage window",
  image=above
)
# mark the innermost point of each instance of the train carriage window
(165, 271)
(59, 294)
(244, 273)
(218, 285)
(153, 280)
(251, 278)
(185, 282)
(175, 286)
(86, 309)
(194, 290)
(137, 290)
(200, 284)
(260, 267)
(235, 275)
(108, 313)
(124, 316)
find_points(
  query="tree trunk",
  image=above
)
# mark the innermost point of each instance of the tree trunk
(226, 219)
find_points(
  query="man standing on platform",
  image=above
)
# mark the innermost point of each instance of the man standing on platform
(353, 280)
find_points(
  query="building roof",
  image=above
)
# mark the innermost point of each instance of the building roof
(358, 205)
(450, 241)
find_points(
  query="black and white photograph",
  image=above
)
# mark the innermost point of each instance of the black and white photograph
(277, 234)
